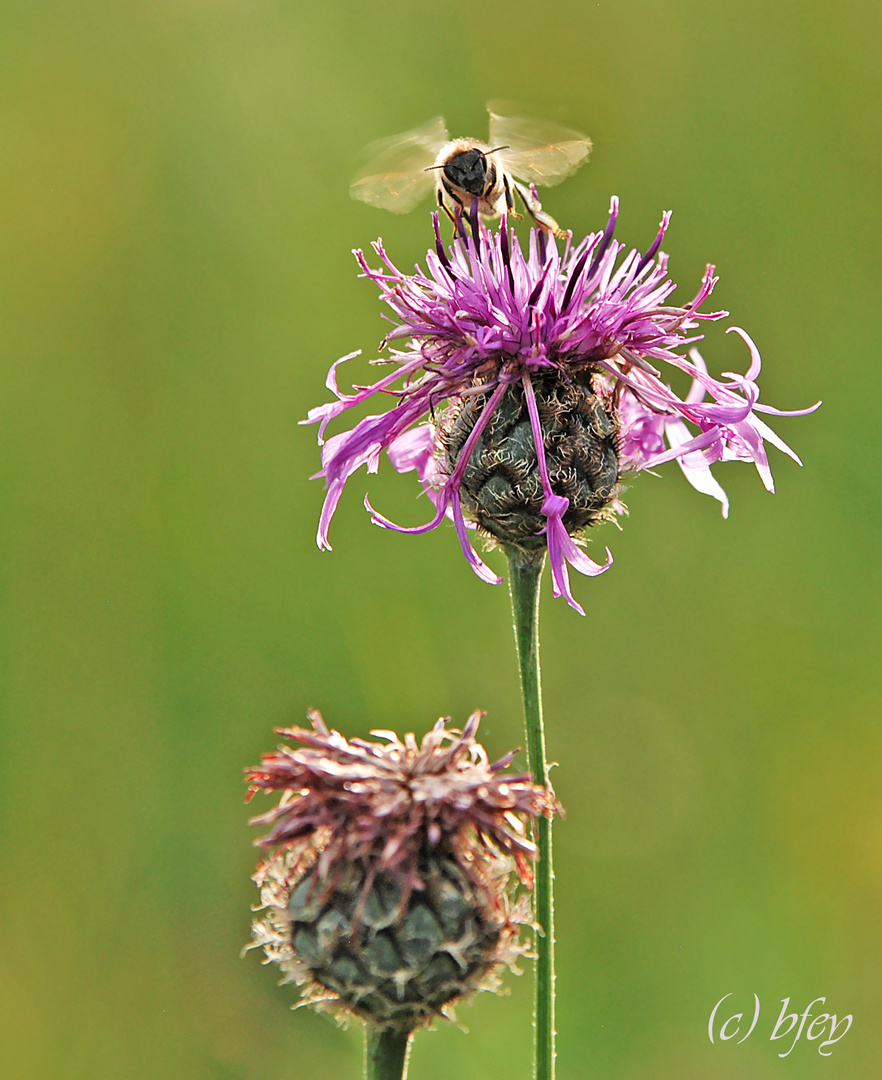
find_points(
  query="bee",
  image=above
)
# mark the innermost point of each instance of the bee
(521, 153)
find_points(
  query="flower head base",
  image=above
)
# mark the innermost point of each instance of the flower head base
(491, 327)
(387, 893)
(502, 489)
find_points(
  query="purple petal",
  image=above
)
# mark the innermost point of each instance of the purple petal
(562, 550)
(695, 470)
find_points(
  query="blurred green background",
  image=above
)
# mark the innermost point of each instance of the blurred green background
(175, 279)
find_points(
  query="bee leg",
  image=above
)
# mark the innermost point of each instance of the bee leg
(455, 214)
(534, 209)
(446, 208)
(509, 199)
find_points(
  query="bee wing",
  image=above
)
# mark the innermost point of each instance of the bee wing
(395, 178)
(537, 152)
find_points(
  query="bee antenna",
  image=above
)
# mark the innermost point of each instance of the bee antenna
(482, 152)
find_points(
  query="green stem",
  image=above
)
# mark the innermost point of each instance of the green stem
(524, 574)
(386, 1051)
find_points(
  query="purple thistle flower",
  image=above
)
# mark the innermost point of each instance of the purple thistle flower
(548, 337)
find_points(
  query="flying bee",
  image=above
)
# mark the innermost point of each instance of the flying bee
(521, 153)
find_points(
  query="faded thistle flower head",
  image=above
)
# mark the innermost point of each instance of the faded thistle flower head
(527, 385)
(387, 889)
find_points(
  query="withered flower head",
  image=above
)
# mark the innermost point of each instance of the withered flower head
(388, 891)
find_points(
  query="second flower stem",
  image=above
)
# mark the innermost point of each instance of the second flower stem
(386, 1051)
(524, 575)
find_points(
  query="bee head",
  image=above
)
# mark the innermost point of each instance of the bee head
(468, 170)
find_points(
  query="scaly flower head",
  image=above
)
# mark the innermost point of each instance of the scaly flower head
(527, 382)
(386, 892)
